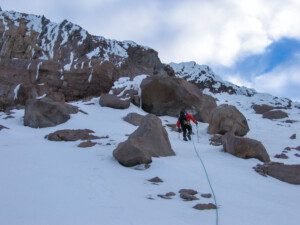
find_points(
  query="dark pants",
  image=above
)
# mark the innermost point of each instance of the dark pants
(186, 127)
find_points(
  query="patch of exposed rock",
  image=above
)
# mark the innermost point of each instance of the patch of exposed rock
(281, 156)
(280, 171)
(71, 135)
(134, 119)
(226, 118)
(244, 147)
(168, 95)
(3, 127)
(275, 114)
(112, 101)
(149, 140)
(205, 206)
(87, 144)
(45, 112)
(156, 180)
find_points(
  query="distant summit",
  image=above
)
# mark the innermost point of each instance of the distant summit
(204, 77)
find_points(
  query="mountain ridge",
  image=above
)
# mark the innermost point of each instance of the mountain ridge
(40, 57)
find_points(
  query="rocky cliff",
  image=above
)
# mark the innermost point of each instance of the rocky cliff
(62, 60)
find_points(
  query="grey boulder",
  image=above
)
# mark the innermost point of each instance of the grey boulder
(226, 118)
(244, 147)
(149, 140)
(168, 95)
(45, 112)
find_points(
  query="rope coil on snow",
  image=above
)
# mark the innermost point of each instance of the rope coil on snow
(207, 177)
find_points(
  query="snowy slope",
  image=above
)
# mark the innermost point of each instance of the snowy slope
(44, 182)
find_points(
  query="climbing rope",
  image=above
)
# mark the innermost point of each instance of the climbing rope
(207, 177)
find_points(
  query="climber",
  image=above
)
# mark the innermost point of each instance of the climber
(183, 124)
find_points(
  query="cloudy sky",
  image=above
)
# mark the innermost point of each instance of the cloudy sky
(255, 43)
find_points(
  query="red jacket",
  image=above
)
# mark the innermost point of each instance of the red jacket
(189, 117)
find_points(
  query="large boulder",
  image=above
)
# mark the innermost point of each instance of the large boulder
(244, 147)
(168, 95)
(280, 171)
(226, 118)
(275, 114)
(149, 140)
(134, 119)
(47, 113)
(112, 101)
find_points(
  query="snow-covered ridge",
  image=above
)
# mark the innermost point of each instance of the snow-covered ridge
(203, 74)
(65, 37)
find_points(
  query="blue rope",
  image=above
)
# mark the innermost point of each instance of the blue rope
(207, 177)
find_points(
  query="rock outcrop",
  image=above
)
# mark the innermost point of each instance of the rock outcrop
(149, 140)
(280, 171)
(244, 147)
(226, 118)
(42, 57)
(45, 112)
(168, 95)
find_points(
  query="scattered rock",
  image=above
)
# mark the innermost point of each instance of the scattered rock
(226, 118)
(297, 148)
(164, 196)
(276, 114)
(167, 195)
(293, 136)
(280, 171)
(168, 95)
(71, 135)
(188, 197)
(261, 109)
(173, 127)
(281, 156)
(149, 140)
(134, 119)
(188, 191)
(287, 148)
(156, 180)
(206, 195)
(87, 144)
(47, 113)
(170, 194)
(216, 140)
(291, 121)
(244, 147)
(8, 117)
(112, 101)
(205, 206)
(80, 110)
(3, 127)
(296, 154)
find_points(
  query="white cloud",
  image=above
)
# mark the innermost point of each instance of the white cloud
(282, 81)
(216, 32)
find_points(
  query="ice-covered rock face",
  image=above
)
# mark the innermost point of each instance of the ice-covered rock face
(65, 41)
(49, 57)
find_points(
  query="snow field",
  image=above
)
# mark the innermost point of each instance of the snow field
(45, 182)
